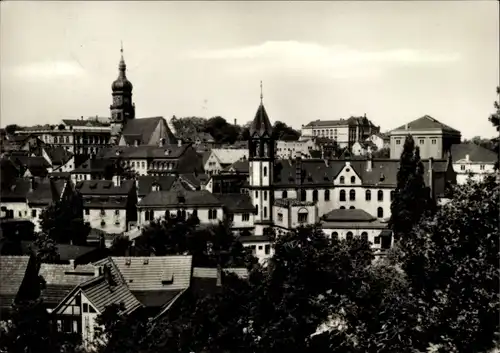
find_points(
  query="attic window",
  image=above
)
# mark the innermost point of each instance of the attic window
(325, 177)
(146, 261)
(93, 185)
(309, 177)
(167, 152)
(382, 177)
(127, 262)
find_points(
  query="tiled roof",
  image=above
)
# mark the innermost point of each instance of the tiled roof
(320, 172)
(236, 202)
(195, 180)
(143, 129)
(113, 202)
(12, 272)
(58, 155)
(240, 166)
(167, 151)
(476, 153)
(229, 156)
(97, 165)
(353, 225)
(205, 272)
(356, 215)
(104, 187)
(261, 125)
(171, 198)
(36, 165)
(205, 155)
(17, 191)
(60, 280)
(325, 123)
(155, 298)
(292, 202)
(426, 123)
(147, 273)
(46, 191)
(66, 251)
(253, 238)
(145, 183)
(92, 121)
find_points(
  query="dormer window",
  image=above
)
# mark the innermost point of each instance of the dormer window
(167, 152)
(155, 187)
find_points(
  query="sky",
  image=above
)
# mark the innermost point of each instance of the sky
(393, 61)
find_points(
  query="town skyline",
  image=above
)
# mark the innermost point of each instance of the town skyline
(444, 63)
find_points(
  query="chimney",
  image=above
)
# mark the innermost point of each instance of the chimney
(179, 143)
(369, 163)
(136, 142)
(431, 177)
(298, 168)
(81, 117)
(72, 263)
(467, 157)
(162, 142)
(235, 122)
(97, 271)
(406, 127)
(219, 276)
(32, 183)
(117, 180)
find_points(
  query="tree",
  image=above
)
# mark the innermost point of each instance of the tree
(11, 129)
(118, 167)
(221, 130)
(412, 198)
(30, 330)
(62, 221)
(45, 249)
(495, 120)
(382, 153)
(451, 260)
(282, 131)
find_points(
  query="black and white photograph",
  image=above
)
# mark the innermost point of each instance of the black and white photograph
(249, 176)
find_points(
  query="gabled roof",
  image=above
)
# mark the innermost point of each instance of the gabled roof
(229, 156)
(17, 191)
(325, 123)
(12, 272)
(97, 165)
(261, 125)
(236, 202)
(143, 129)
(155, 273)
(199, 198)
(195, 180)
(58, 155)
(104, 187)
(426, 123)
(146, 182)
(475, 152)
(60, 280)
(92, 121)
(356, 215)
(167, 151)
(46, 191)
(240, 166)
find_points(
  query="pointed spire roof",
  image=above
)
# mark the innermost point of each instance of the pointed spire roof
(261, 125)
(122, 83)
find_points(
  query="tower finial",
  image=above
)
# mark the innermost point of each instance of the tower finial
(261, 96)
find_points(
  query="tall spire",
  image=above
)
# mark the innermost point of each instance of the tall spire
(122, 67)
(261, 95)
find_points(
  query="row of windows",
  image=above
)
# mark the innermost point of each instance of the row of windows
(342, 180)
(481, 167)
(264, 213)
(324, 132)
(342, 196)
(420, 141)
(103, 223)
(267, 248)
(380, 211)
(102, 213)
(264, 195)
(245, 217)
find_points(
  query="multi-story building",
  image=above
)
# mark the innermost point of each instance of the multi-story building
(432, 137)
(344, 131)
(474, 161)
(218, 159)
(289, 149)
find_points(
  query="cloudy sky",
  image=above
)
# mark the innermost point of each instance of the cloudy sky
(394, 61)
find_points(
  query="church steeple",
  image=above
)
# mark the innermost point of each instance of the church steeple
(122, 108)
(261, 126)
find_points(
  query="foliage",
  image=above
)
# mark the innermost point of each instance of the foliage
(495, 120)
(120, 246)
(118, 167)
(11, 129)
(62, 221)
(210, 245)
(45, 249)
(282, 131)
(30, 330)
(412, 198)
(452, 263)
(483, 142)
(221, 130)
(382, 153)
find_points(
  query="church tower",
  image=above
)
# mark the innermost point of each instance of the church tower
(122, 108)
(261, 147)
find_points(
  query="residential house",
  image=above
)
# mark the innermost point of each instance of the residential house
(285, 149)
(183, 204)
(157, 282)
(78, 311)
(60, 159)
(362, 148)
(207, 281)
(19, 282)
(91, 169)
(433, 138)
(31, 165)
(239, 210)
(380, 140)
(149, 183)
(109, 205)
(471, 160)
(221, 158)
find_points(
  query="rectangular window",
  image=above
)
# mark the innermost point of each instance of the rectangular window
(462, 167)
(245, 217)
(280, 217)
(117, 212)
(230, 217)
(267, 249)
(265, 195)
(302, 217)
(421, 141)
(33, 213)
(433, 141)
(103, 212)
(256, 194)
(85, 308)
(481, 167)
(376, 240)
(398, 142)
(87, 212)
